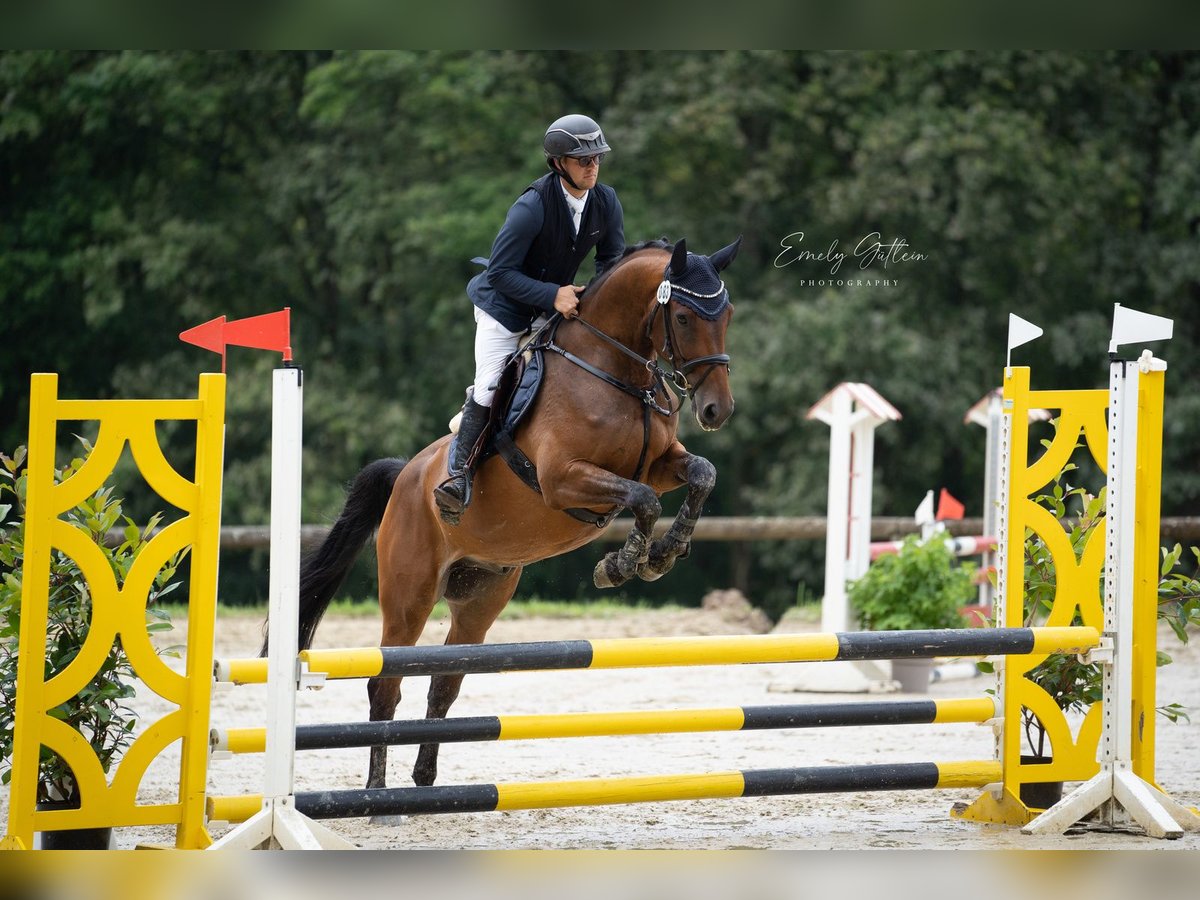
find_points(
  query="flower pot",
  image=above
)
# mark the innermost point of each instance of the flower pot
(1040, 794)
(913, 674)
(72, 838)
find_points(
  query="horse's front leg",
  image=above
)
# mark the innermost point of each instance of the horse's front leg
(582, 484)
(672, 469)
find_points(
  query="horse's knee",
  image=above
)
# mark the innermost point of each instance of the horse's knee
(644, 502)
(702, 475)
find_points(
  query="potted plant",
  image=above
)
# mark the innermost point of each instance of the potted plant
(1073, 684)
(923, 586)
(99, 711)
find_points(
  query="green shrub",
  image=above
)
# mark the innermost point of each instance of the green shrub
(921, 587)
(98, 712)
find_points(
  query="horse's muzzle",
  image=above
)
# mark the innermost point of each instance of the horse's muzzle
(712, 413)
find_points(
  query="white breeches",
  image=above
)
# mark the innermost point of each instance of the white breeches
(493, 344)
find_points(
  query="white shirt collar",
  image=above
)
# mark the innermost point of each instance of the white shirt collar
(575, 204)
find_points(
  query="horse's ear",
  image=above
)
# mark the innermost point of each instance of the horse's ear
(679, 257)
(725, 255)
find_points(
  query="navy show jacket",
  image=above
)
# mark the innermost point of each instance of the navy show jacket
(536, 251)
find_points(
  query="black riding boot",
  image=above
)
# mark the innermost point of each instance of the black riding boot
(454, 494)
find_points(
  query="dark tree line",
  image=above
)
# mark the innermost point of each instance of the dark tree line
(142, 193)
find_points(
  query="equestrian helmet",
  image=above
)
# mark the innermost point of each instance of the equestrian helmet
(574, 135)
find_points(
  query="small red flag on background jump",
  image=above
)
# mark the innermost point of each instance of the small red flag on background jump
(271, 331)
(948, 507)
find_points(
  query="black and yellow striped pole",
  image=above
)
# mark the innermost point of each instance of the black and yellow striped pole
(603, 791)
(619, 653)
(598, 724)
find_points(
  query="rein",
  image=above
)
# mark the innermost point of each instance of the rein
(677, 377)
(647, 395)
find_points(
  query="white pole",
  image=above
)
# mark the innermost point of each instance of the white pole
(991, 490)
(278, 825)
(862, 471)
(834, 613)
(284, 591)
(1118, 602)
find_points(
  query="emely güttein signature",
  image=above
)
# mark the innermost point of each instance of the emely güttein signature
(869, 251)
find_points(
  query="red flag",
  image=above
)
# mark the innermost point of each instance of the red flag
(267, 332)
(271, 331)
(948, 507)
(210, 335)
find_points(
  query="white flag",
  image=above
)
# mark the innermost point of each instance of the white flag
(1133, 327)
(924, 514)
(1021, 332)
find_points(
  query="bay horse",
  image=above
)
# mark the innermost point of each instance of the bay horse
(601, 435)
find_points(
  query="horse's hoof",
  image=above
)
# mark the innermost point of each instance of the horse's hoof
(649, 573)
(388, 821)
(606, 573)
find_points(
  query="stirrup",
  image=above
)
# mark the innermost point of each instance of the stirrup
(450, 505)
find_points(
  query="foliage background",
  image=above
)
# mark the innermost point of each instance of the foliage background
(145, 192)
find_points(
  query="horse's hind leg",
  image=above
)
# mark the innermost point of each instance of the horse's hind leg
(476, 597)
(406, 603)
(384, 695)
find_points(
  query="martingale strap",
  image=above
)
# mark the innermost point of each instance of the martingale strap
(645, 395)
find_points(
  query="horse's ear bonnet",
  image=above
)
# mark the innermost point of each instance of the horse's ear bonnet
(692, 280)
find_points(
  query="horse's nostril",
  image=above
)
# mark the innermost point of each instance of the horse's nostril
(710, 413)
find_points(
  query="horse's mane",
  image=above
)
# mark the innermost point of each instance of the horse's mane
(656, 244)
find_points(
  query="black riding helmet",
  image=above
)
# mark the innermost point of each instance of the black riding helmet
(573, 135)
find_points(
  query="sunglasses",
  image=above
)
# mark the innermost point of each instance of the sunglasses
(588, 161)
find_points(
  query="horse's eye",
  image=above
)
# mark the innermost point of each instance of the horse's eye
(681, 318)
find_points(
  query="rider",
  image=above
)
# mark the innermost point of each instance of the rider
(549, 231)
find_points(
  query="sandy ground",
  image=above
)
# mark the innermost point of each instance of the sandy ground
(841, 821)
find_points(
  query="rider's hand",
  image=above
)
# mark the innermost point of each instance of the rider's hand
(566, 301)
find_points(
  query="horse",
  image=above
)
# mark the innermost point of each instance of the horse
(600, 435)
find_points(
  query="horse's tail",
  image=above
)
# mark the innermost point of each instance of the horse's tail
(323, 570)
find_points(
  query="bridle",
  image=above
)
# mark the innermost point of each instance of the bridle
(677, 377)
(679, 371)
